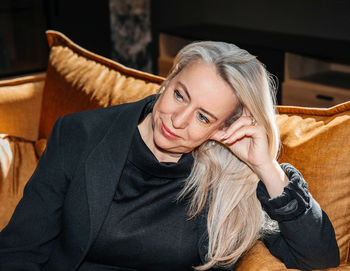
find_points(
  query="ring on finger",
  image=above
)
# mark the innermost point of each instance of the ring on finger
(253, 121)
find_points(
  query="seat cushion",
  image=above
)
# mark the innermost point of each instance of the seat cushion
(77, 80)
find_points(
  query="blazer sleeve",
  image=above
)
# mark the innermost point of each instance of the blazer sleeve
(26, 242)
(306, 238)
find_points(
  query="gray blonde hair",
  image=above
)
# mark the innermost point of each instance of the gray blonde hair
(218, 178)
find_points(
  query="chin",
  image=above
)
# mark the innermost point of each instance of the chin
(162, 142)
(168, 145)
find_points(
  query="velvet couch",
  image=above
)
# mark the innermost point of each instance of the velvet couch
(315, 140)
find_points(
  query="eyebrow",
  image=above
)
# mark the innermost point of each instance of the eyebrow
(189, 97)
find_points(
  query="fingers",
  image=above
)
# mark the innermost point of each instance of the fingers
(246, 125)
(243, 121)
(245, 131)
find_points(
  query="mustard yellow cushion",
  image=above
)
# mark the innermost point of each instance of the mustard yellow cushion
(316, 141)
(17, 163)
(20, 104)
(80, 80)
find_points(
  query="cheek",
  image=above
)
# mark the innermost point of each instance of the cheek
(198, 134)
(163, 104)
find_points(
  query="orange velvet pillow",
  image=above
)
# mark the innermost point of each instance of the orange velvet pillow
(316, 142)
(77, 80)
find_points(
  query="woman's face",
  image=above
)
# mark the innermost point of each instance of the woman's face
(192, 108)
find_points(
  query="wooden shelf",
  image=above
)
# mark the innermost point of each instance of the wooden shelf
(315, 83)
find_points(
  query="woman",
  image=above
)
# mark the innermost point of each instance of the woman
(170, 182)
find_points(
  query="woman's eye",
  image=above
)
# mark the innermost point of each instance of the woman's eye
(203, 118)
(178, 96)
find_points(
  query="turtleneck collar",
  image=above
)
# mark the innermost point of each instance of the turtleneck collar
(143, 158)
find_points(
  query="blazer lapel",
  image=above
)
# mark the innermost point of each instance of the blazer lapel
(105, 163)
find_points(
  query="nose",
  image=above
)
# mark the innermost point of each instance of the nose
(180, 119)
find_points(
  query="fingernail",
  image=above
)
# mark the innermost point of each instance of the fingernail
(222, 137)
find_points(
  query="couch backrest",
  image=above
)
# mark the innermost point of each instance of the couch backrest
(314, 140)
(77, 80)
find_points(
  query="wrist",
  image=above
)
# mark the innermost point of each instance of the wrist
(294, 200)
(274, 178)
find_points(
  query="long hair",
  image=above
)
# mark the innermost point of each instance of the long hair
(218, 178)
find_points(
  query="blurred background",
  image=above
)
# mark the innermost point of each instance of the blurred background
(304, 44)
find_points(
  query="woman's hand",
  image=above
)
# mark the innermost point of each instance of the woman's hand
(248, 141)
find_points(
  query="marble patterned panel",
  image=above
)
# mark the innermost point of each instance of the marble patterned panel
(131, 33)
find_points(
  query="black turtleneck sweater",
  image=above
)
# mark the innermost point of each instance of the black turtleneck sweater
(146, 227)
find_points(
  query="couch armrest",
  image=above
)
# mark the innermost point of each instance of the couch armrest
(20, 106)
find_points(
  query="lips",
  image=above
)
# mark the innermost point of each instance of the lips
(168, 133)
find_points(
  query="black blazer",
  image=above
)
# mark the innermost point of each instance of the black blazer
(68, 196)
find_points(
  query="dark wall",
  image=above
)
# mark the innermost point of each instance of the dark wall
(317, 18)
(85, 22)
(23, 46)
(267, 29)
